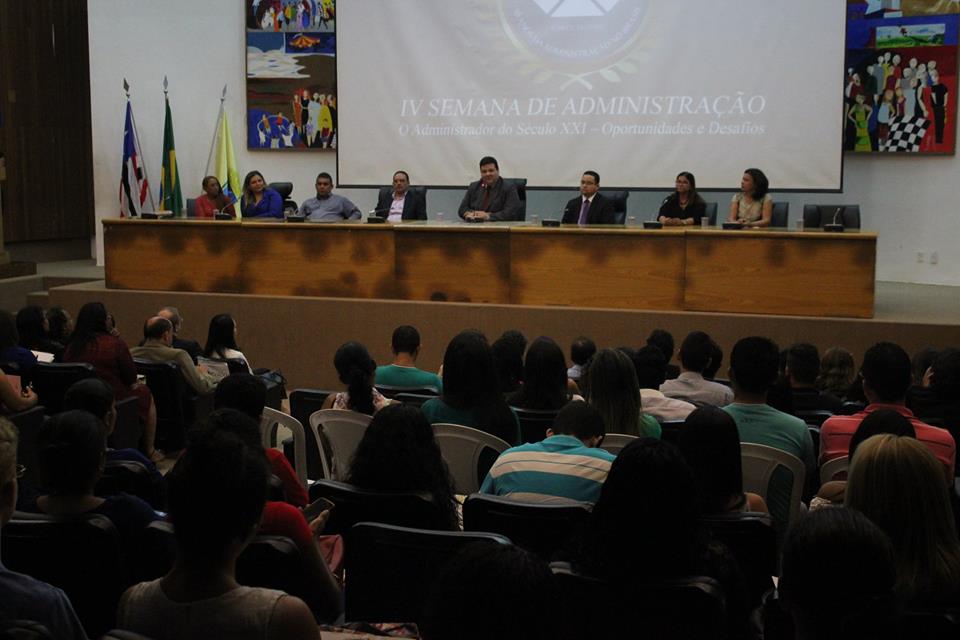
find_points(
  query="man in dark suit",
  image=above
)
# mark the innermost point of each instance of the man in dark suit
(490, 197)
(401, 203)
(590, 207)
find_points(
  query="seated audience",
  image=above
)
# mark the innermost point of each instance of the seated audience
(921, 362)
(95, 341)
(403, 371)
(356, 369)
(158, 347)
(581, 351)
(612, 388)
(190, 346)
(938, 397)
(61, 325)
(14, 400)
(886, 379)
(651, 369)
(213, 201)
(753, 370)
(567, 465)
(716, 359)
(710, 443)
(248, 395)
(222, 340)
(897, 483)
(544, 379)
(837, 373)
(22, 597)
(399, 453)
(663, 340)
(33, 327)
(858, 606)
(471, 392)
(802, 369)
(10, 349)
(217, 491)
(695, 355)
(508, 358)
(259, 200)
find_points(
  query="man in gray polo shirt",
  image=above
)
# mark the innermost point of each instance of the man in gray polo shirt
(327, 206)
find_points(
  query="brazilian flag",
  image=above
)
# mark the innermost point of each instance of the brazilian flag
(170, 197)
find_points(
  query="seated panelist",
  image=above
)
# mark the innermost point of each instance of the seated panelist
(684, 206)
(590, 207)
(212, 200)
(752, 206)
(259, 200)
(490, 197)
(328, 206)
(401, 203)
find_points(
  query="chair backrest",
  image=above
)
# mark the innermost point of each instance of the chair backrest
(619, 199)
(79, 554)
(129, 476)
(413, 399)
(814, 417)
(391, 569)
(24, 630)
(303, 403)
(534, 424)
(930, 624)
(284, 189)
(343, 430)
(759, 464)
(752, 539)
(28, 425)
(127, 429)
(670, 431)
(521, 193)
(401, 508)
(462, 448)
(688, 607)
(850, 407)
(615, 442)
(175, 408)
(711, 213)
(832, 468)
(52, 379)
(191, 207)
(391, 391)
(817, 215)
(780, 216)
(541, 528)
(271, 419)
(815, 439)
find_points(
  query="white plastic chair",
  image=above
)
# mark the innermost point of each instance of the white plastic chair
(760, 461)
(615, 442)
(461, 447)
(831, 468)
(272, 417)
(344, 431)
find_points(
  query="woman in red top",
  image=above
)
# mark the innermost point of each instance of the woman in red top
(212, 200)
(95, 341)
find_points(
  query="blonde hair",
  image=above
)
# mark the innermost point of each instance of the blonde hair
(896, 482)
(8, 450)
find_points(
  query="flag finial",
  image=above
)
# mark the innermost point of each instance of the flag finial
(126, 87)
(223, 96)
(164, 84)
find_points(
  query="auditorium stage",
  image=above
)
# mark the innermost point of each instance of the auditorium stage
(300, 334)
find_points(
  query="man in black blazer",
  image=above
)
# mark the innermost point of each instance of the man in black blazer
(590, 207)
(490, 197)
(400, 203)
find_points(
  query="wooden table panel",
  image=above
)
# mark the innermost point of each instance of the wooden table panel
(605, 268)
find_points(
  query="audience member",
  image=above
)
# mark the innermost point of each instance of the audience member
(716, 359)
(158, 347)
(920, 363)
(190, 346)
(753, 370)
(248, 394)
(217, 492)
(837, 373)
(403, 371)
(859, 602)
(222, 340)
(398, 452)
(663, 340)
(581, 351)
(651, 369)
(897, 483)
(938, 398)
(567, 465)
(690, 385)
(612, 388)
(356, 369)
(710, 443)
(34, 328)
(886, 378)
(10, 349)
(96, 343)
(508, 358)
(471, 393)
(490, 590)
(544, 378)
(22, 597)
(802, 369)
(61, 325)
(14, 400)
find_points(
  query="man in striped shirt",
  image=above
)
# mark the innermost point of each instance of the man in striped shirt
(567, 465)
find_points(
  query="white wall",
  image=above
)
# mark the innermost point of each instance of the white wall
(911, 202)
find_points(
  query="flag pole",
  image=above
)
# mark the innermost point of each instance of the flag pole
(216, 130)
(136, 135)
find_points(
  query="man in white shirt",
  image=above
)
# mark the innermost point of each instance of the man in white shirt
(590, 207)
(695, 354)
(651, 366)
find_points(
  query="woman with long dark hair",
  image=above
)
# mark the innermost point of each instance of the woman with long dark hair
(752, 206)
(222, 340)
(356, 369)
(544, 378)
(33, 327)
(684, 206)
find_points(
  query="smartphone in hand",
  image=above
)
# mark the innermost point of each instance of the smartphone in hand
(315, 508)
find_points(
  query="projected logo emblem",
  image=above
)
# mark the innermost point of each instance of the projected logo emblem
(576, 8)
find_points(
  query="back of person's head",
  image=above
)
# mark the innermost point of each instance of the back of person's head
(355, 369)
(31, 325)
(753, 364)
(60, 324)
(921, 361)
(887, 372)
(244, 392)
(877, 422)
(155, 327)
(492, 590)
(651, 367)
(216, 493)
(235, 422)
(897, 483)
(837, 576)
(92, 395)
(508, 358)
(582, 350)
(172, 313)
(544, 376)
(406, 339)
(836, 371)
(9, 440)
(695, 351)
(612, 388)
(9, 337)
(946, 375)
(221, 335)
(469, 373)
(71, 450)
(710, 443)
(716, 359)
(663, 340)
(580, 420)
(803, 363)
(91, 320)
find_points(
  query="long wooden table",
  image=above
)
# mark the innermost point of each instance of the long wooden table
(751, 271)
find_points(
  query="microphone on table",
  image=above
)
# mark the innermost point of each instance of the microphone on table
(835, 226)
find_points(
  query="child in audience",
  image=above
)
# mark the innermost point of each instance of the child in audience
(544, 379)
(222, 340)
(611, 386)
(356, 369)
